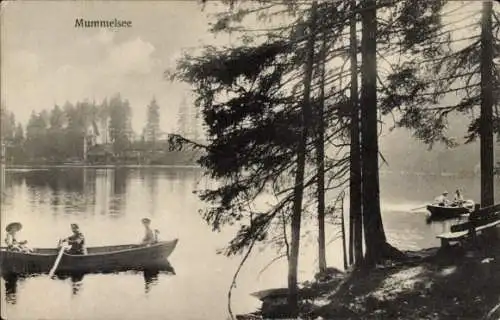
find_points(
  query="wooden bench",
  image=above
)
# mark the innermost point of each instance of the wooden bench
(479, 220)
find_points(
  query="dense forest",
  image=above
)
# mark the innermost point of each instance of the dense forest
(295, 110)
(89, 133)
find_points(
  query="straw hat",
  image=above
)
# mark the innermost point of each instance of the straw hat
(146, 220)
(14, 226)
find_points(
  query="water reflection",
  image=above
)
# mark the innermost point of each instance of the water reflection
(97, 191)
(70, 190)
(118, 189)
(68, 180)
(76, 281)
(150, 279)
(109, 204)
(120, 181)
(443, 225)
(11, 282)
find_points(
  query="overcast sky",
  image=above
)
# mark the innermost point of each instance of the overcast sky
(46, 60)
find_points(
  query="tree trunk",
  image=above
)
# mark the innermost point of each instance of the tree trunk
(85, 146)
(320, 163)
(486, 119)
(351, 239)
(375, 240)
(355, 205)
(299, 177)
(344, 251)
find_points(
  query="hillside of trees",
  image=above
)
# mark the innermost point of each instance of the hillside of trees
(89, 133)
(56, 136)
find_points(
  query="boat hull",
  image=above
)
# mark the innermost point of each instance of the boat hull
(441, 212)
(98, 259)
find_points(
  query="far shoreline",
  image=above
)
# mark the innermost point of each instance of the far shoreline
(95, 166)
(193, 166)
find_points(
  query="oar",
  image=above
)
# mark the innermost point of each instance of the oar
(422, 207)
(56, 264)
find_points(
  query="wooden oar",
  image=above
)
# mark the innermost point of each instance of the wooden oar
(419, 208)
(56, 264)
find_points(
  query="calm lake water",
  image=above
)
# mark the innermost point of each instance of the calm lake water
(108, 204)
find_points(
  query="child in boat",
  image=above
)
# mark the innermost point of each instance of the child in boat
(76, 241)
(150, 236)
(11, 241)
(459, 199)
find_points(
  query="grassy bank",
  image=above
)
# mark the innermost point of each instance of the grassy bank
(457, 283)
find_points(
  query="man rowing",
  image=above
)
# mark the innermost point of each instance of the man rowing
(76, 241)
(442, 199)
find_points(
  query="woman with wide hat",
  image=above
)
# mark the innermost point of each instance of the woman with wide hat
(11, 240)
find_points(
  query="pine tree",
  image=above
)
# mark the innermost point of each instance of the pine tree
(152, 128)
(299, 185)
(252, 135)
(463, 68)
(119, 124)
(355, 189)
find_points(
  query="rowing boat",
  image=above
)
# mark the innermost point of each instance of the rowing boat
(448, 212)
(98, 259)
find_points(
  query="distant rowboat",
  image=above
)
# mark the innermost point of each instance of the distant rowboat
(448, 212)
(99, 259)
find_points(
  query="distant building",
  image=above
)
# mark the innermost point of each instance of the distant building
(100, 153)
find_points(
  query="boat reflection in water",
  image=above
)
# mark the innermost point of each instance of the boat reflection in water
(151, 278)
(76, 279)
(11, 282)
(442, 224)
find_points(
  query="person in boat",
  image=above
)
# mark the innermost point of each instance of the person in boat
(150, 236)
(442, 200)
(459, 199)
(12, 243)
(76, 241)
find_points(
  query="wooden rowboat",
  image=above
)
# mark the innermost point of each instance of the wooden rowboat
(449, 212)
(446, 212)
(99, 259)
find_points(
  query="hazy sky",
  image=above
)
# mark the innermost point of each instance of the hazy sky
(46, 60)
